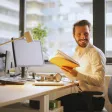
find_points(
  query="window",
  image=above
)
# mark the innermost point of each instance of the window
(108, 46)
(9, 22)
(58, 16)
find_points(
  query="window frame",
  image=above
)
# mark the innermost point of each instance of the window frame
(22, 16)
(99, 26)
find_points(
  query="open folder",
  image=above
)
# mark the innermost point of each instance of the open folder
(61, 59)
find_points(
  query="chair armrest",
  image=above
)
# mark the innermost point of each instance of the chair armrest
(92, 93)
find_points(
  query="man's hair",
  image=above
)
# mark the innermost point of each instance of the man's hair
(81, 23)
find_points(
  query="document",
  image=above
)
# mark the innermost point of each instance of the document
(61, 59)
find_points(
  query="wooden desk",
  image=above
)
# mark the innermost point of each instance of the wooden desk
(10, 94)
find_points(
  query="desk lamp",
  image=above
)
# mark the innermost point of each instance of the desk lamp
(27, 35)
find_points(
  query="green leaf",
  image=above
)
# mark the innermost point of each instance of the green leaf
(39, 33)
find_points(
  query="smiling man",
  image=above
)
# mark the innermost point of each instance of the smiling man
(91, 72)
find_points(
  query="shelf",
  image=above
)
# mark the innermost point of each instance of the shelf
(60, 109)
(21, 107)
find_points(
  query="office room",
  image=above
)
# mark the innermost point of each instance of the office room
(41, 30)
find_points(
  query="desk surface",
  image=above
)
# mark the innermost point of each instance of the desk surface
(10, 94)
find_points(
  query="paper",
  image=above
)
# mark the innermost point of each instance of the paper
(61, 59)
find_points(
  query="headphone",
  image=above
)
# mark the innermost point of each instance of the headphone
(54, 77)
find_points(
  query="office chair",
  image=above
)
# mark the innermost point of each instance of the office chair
(87, 95)
(92, 103)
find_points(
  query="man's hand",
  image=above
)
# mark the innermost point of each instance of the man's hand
(70, 70)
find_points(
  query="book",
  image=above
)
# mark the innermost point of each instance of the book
(61, 59)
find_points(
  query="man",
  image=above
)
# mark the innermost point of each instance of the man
(91, 72)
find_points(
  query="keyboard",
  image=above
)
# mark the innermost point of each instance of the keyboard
(48, 84)
(12, 81)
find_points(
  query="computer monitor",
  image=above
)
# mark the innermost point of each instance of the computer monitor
(8, 61)
(6, 58)
(27, 54)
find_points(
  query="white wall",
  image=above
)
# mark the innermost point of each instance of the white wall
(53, 69)
(49, 68)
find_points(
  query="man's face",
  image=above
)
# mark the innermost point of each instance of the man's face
(82, 35)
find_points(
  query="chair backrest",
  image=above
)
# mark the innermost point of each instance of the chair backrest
(110, 91)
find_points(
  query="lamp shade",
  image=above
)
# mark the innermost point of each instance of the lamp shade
(28, 36)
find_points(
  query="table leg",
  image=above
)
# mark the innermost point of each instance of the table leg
(44, 103)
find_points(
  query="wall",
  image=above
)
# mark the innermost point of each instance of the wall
(46, 68)
(53, 68)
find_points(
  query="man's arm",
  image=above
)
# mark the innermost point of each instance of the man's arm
(98, 71)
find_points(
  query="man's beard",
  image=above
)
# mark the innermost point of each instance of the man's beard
(84, 43)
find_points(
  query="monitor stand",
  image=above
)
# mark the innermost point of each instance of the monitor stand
(24, 75)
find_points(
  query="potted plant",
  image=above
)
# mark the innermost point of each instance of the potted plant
(39, 33)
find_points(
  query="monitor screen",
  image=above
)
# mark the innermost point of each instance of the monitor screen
(7, 59)
(27, 54)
